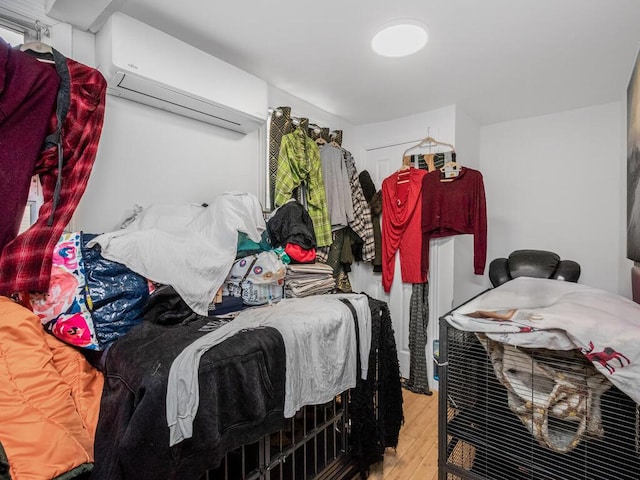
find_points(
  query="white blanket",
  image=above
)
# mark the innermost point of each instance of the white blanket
(190, 248)
(540, 313)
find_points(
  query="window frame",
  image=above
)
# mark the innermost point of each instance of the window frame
(30, 29)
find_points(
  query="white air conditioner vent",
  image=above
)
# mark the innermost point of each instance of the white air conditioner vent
(148, 66)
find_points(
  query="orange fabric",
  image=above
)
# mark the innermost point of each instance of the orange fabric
(85, 381)
(49, 398)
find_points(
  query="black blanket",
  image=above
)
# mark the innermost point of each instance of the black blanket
(242, 383)
(241, 399)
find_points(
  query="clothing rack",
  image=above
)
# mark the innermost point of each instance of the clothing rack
(296, 119)
(314, 129)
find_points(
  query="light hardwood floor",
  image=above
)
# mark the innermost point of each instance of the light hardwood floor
(416, 457)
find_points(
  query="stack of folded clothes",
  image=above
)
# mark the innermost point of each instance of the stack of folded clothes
(307, 279)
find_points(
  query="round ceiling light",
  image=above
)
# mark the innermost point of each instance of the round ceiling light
(400, 39)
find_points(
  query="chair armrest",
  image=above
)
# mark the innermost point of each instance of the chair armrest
(567, 270)
(499, 271)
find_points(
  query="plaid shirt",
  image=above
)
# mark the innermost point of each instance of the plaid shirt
(298, 163)
(361, 224)
(25, 264)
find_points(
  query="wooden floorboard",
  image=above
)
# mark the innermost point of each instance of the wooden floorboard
(416, 457)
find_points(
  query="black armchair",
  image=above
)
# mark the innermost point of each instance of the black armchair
(532, 263)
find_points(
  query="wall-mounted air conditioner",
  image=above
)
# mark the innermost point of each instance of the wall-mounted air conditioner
(148, 66)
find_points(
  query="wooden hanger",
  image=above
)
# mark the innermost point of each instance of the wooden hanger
(403, 174)
(406, 164)
(317, 137)
(450, 170)
(429, 142)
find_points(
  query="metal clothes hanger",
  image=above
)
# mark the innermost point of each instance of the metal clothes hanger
(451, 169)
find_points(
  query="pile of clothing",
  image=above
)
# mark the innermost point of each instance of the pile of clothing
(308, 279)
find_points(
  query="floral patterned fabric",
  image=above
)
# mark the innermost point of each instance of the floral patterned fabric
(63, 310)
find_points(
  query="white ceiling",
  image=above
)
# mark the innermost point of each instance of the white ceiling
(496, 59)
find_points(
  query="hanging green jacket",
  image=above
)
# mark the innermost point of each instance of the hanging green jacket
(299, 165)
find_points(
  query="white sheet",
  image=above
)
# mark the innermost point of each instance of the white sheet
(190, 248)
(563, 315)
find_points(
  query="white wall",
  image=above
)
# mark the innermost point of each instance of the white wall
(555, 182)
(150, 156)
(440, 124)
(466, 283)
(467, 140)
